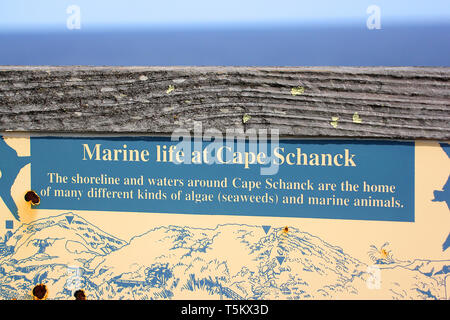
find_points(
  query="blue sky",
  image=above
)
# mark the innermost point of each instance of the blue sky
(32, 14)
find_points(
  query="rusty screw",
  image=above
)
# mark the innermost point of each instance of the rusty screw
(40, 292)
(79, 295)
(33, 197)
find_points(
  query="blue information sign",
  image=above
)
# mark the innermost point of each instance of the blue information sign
(293, 178)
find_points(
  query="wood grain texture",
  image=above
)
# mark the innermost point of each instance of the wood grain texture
(393, 103)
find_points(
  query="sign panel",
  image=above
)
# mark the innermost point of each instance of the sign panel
(313, 179)
(152, 218)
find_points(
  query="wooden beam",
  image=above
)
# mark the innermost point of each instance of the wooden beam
(360, 102)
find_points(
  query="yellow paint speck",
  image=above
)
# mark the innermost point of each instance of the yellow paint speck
(356, 118)
(170, 89)
(297, 91)
(246, 118)
(334, 121)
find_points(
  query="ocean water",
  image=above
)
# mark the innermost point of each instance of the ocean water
(395, 45)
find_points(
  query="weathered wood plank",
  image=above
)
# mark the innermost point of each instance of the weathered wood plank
(395, 103)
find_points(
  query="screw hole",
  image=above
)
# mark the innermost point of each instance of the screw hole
(40, 292)
(33, 197)
(79, 295)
